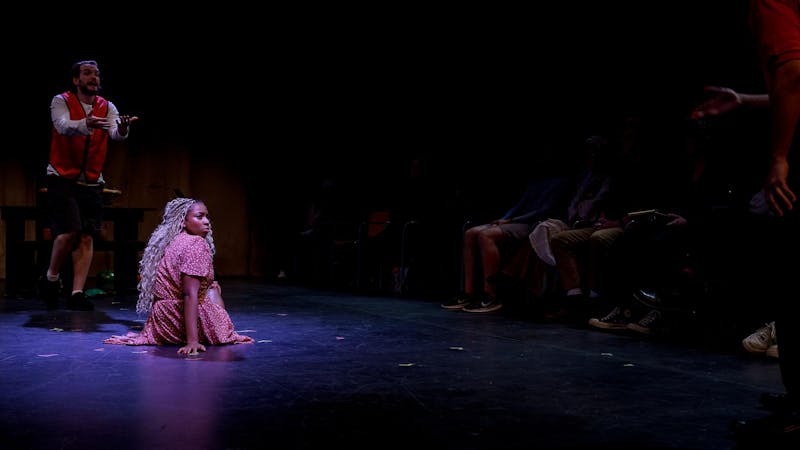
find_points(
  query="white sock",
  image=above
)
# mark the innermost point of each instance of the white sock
(52, 277)
(574, 291)
(75, 292)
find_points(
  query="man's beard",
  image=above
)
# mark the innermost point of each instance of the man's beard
(89, 90)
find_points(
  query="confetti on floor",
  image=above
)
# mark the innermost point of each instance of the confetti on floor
(57, 329)
(140, 351)
(264, 341)
(406, 364)
(606, 354)
(339, 338)
(457, 348)
(48, 355)
(99, 349)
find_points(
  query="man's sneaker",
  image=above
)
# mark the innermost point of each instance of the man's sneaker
(79, 302)
(646, 325)
(488, 304)
(772, 351)
(617, 319)
(458, 302)
(761, 339)
(49, 291)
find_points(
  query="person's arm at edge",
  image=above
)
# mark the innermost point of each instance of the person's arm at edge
(191, 287)
(785, 108)
(755, 100)
(724, 100)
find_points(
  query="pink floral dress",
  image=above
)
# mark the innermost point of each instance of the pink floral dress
(186, 254)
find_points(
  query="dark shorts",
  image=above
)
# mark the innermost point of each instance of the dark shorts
(517, 231)
(74, 207)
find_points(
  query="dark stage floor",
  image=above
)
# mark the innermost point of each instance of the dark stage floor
(334, 370)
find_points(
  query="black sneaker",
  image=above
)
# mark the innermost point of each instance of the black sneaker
(49, 291)
(458, 302)
(647, 324)
(79, 302)
(617, 319)
(488, 304)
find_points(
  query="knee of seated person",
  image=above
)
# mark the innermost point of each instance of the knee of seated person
(214, 295)
(471, 233)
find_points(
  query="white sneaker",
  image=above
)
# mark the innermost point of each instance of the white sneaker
(761, 339)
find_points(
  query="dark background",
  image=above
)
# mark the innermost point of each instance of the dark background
(368, 83)
(281, 96)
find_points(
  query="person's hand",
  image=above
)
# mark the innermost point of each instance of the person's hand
(676, 220)
(779, 196)
(192, 348)
(93, 121)
(722, 100)
(124, 122)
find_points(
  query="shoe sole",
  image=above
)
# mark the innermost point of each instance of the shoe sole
(772, 351)
(484, 309)
(607, 326)
(453, 307)
(750, 348)
(640, 329)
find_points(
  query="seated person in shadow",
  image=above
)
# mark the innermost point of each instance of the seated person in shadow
(330, 217)
(483, 244)
(577, 244)
(419, 223)
(651, 267)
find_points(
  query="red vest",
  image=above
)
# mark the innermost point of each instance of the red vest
(71, 155)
